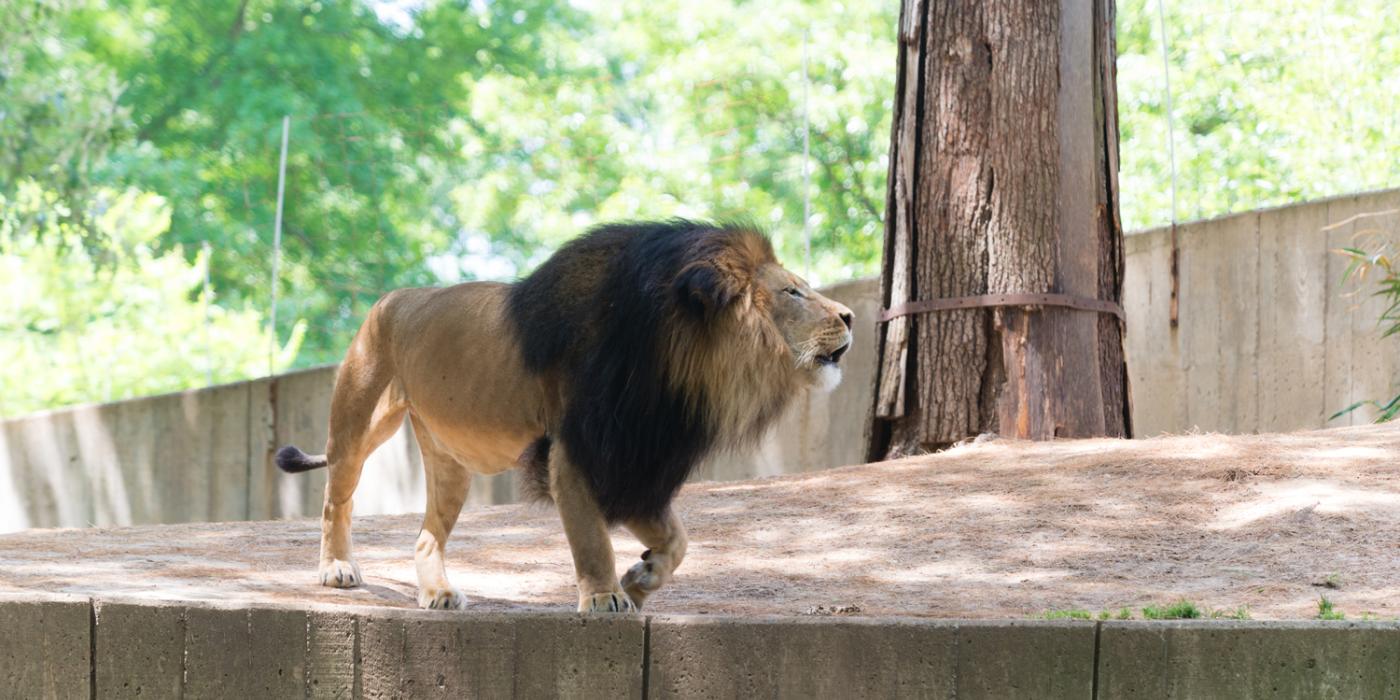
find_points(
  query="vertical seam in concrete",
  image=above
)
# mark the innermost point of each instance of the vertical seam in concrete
(92, 649)
(1326, 315)
(1259, 325)
(357, 691)
(646, 657)
(1094, 682)
(248, 454)
(184, 650)
(306, 658)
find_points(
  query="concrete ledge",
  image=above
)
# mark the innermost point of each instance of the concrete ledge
(1202, 658)
(64, 648)
(724, 657)
(45, 647)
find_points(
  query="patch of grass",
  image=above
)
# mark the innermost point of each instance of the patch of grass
(1067, 615)
(1125, 614)
(1180, 610)
(1240, 613)
(1325, 610)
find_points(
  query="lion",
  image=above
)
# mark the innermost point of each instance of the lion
(608, 374)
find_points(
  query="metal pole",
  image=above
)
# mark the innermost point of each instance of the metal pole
(1174, 311)
(277, 245)
(806, 163)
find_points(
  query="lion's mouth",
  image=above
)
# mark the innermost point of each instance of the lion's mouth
(833, 357)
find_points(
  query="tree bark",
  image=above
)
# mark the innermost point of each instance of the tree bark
(1003, 179)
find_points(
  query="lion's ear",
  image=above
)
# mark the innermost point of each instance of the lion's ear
(704, 289)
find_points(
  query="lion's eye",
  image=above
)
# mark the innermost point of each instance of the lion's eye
(793, 291)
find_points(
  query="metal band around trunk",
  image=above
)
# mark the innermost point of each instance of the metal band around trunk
(993, 300)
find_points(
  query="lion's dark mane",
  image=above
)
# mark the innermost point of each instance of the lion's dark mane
(597, 316)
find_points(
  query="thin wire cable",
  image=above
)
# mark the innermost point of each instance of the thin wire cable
(1167, 87)
(806, 163)
(277, 247)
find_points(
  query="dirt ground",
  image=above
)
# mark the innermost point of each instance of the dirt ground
(997, 529)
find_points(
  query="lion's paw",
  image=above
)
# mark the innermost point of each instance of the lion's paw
(448, 598)
(640, 581)
(339, 573)
(613, 602)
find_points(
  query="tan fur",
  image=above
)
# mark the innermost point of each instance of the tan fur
(450, 360)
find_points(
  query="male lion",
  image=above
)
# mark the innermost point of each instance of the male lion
(608, 373)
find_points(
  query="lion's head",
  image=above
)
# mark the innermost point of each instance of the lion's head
(671, 340)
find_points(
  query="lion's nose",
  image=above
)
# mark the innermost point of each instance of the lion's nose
(846, 318)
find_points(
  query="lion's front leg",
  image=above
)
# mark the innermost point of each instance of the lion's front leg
(664, 538)
(589, 541)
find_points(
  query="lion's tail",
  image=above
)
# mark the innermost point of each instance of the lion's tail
(534, 466)
(292, 460)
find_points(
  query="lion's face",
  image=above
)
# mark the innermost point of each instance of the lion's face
(817, 330)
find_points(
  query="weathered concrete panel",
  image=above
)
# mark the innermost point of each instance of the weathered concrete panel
(1212, 658)
(436, 654)
(332, 639)
(1293, 291)
(1236, 243)
(783, 658)
(1156, 373)
(245, 653)
(262, 443)
(139, 650)
(302, 409)
(1025, 659)
(225, 461)
(697, 657)
(45, 647)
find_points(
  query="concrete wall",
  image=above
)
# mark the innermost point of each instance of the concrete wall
(74, 647)
(1267, 340)
(1266, 343)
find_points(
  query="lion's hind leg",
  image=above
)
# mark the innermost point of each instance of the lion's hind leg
(665, 540)
(448, 483)
(346, 455)
(366, 409)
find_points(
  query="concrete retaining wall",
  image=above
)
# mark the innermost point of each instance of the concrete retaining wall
(1267, 339)
(1266, 343)
(78, 648)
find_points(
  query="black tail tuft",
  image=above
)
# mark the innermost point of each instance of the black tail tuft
(534, 466)
(293, 460)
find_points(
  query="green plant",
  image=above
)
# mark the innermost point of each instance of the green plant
(1325, 610)
(1125, 614)
(1240, 613)
(1381, 266)
(1180, 610)
(1067, 615)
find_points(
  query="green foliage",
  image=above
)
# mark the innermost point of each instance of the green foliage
(1180, 610)
(78, 328)
(463, 140)
(1377, 264)
(1274, 102)
(1067, 615)
(1325, 610)
(1240, 613)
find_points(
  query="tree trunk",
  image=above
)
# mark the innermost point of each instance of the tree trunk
(1003, 180)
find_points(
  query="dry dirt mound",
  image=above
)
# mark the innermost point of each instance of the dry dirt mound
(999, 529)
